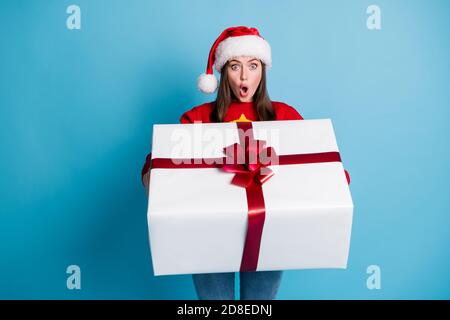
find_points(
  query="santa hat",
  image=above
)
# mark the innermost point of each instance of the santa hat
(233, 42)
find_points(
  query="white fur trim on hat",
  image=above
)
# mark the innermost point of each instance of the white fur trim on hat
(207, 83)
(252, 46)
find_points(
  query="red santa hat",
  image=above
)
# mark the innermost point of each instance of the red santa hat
(233, 42)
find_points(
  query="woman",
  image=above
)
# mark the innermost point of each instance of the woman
(241, 56)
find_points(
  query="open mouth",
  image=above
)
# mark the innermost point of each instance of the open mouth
(243, 90)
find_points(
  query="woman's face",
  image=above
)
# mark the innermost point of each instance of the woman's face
(244, 75)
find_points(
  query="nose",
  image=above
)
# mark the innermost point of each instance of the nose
(244, 74)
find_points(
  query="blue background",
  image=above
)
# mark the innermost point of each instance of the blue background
(77, 109)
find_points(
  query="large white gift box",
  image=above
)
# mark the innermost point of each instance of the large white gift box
(198, 220)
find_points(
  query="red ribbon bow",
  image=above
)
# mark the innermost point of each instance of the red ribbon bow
(249, 162)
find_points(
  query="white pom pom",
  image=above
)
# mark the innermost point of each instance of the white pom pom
(207, 83)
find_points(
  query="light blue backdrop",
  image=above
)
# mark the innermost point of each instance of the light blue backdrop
(77, 109)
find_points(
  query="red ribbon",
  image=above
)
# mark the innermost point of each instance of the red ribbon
(249, 161)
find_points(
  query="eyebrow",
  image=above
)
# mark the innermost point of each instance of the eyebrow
(234, 60)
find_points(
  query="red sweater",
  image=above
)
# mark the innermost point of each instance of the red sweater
(237, 112)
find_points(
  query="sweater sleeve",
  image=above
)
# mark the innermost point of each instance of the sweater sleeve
(347, 176)
(146, 167)
(188, 116)
(292, 114)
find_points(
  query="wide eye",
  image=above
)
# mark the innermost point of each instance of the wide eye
(234, 67)
(253, 66)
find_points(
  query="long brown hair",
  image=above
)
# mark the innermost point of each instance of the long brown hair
(225, 96)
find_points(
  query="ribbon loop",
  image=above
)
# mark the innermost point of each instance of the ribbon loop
(247, 161)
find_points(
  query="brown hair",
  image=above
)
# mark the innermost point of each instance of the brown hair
(225, 96)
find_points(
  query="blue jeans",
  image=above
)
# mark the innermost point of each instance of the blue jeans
(260, 285)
